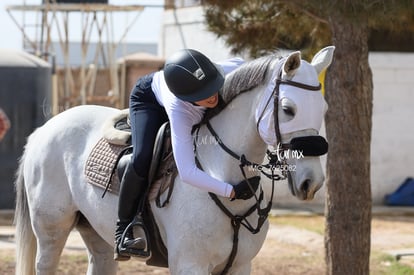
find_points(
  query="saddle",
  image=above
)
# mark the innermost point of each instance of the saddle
(106, 165)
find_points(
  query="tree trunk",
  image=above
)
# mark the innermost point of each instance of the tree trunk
(348, 127)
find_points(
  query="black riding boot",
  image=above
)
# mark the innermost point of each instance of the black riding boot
(132, 187)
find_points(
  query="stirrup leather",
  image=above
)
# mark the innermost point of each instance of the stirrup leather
(130, 251)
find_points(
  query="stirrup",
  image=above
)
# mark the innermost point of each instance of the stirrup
(144, 254)
(120, 257)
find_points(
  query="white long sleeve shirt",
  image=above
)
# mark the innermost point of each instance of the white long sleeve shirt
(183, 116)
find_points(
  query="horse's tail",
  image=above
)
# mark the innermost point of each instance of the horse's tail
(24, 236)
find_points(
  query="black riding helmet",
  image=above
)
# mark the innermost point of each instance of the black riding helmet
(191, 76)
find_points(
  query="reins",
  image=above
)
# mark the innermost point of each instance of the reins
(241, 220)
(262, 212)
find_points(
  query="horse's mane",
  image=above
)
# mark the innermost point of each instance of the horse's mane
(246, 77)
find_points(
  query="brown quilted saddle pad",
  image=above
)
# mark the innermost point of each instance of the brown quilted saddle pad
(101, 165)
(100, 168)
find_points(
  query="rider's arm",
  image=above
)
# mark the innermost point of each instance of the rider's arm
(182, 143)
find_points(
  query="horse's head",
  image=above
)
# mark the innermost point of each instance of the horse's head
(291, 125)
(288, 113)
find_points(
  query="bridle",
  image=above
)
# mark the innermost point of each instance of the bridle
(280, 81)
(305, 143)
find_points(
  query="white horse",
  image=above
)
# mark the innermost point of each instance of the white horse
(53, 198)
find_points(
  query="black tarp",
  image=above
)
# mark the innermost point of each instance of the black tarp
(25, 91)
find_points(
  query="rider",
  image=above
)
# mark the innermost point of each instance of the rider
(180, 93)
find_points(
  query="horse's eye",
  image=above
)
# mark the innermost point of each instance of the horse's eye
(288, 107)
(288, 110)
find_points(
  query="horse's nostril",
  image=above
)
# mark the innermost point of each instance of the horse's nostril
(305, 186)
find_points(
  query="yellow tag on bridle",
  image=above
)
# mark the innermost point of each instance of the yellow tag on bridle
(322, 81)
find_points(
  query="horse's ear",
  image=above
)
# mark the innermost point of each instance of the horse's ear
(292, 64)
(323, 58)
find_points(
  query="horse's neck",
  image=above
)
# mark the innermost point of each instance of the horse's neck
(236, 127)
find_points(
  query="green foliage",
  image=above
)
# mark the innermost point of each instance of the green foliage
(384, 264)
(261, 26)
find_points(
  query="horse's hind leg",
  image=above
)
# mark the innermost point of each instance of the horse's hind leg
(100, 253)
(52, 232)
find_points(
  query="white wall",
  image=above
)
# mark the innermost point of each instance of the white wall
(392, 149)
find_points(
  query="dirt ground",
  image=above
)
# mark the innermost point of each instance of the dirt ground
(294, 245)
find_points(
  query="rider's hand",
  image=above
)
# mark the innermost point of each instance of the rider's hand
(243, 191)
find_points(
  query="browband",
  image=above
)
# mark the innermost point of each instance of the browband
(299, 85)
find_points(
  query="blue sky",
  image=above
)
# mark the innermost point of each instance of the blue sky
(146, 28)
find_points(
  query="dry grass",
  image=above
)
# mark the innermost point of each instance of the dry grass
(292, 255)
